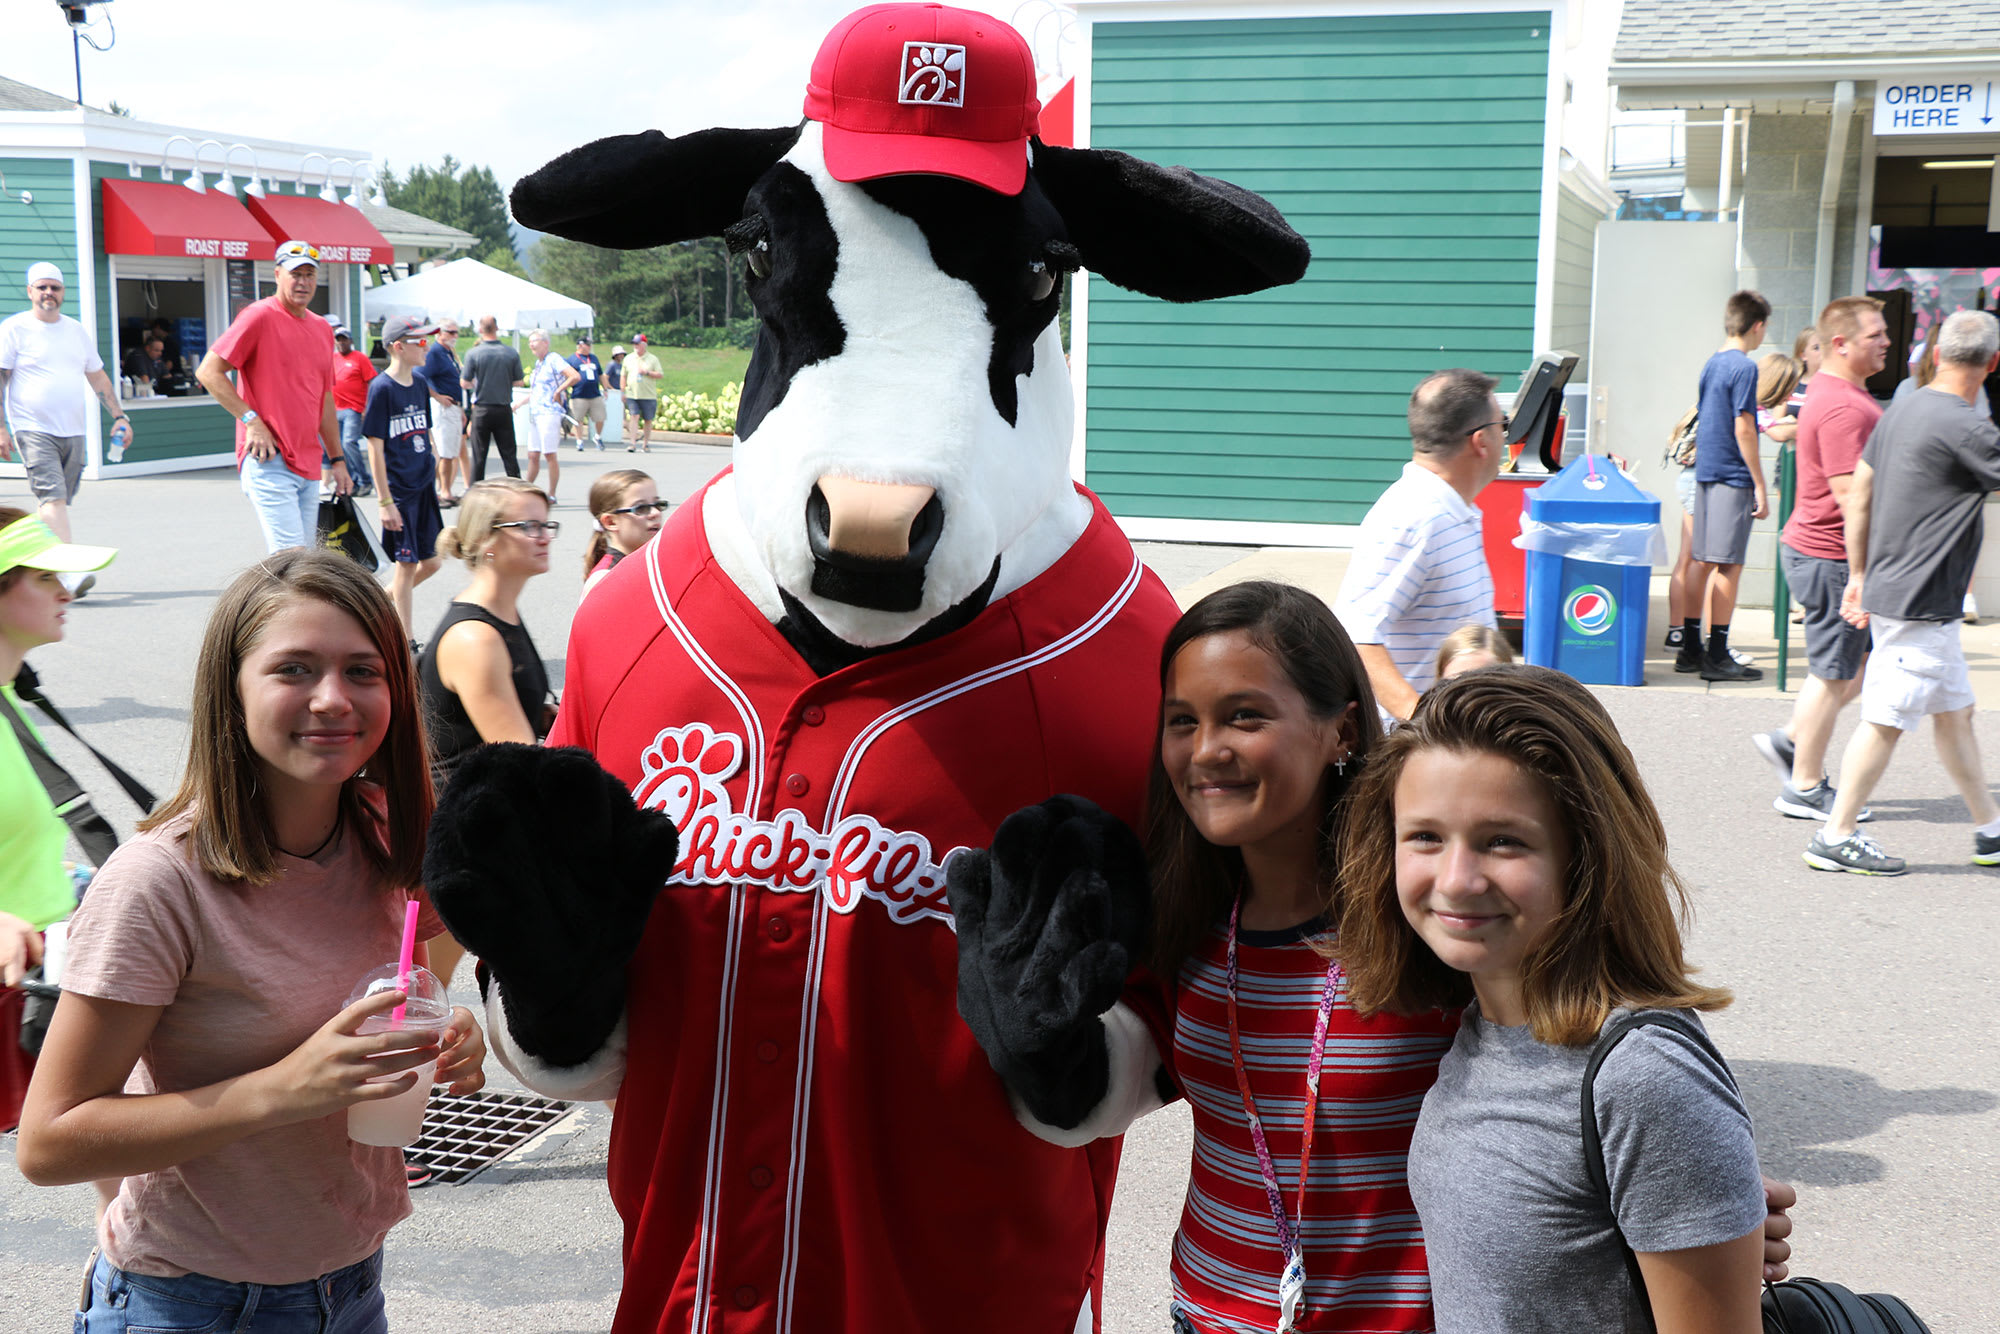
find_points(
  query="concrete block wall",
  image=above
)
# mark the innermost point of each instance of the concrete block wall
(1777, 235)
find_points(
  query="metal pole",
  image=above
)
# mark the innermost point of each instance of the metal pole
(1781, 593)
(76, 52)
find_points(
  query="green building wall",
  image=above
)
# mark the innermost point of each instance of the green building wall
(1408, 150)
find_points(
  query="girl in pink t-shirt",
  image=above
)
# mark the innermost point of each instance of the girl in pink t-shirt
(201, 1051)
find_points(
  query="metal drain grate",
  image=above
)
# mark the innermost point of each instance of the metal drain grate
(465, 1135)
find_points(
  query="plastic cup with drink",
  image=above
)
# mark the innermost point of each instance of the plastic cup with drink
(397, 1122)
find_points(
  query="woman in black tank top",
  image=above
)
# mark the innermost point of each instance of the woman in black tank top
(482, 678)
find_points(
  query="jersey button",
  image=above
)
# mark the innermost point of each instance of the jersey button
(767, 1052)
(779, 928)
(746, 1296)
(813, 714)
(760, 1177)
(798, 784)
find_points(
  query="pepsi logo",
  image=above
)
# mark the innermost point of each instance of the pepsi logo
(1590, 610)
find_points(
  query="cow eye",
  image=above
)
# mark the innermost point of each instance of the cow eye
(1041, 281)
(751, 237)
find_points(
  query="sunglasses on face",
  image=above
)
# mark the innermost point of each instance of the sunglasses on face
(645, 509)
(534, 528)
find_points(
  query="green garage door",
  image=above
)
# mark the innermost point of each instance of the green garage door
(1408, 151)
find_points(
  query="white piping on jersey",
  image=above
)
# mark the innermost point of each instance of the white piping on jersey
(711, 1199)
(836, 801)
(711, 1202)
(844, 777)
(788, 1264)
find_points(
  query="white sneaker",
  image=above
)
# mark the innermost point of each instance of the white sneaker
(1971, 610)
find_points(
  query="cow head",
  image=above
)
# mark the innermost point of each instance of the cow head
(902, 446)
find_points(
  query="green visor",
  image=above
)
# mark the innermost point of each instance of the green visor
(33, 543)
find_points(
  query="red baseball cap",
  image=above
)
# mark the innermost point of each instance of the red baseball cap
(925, 89)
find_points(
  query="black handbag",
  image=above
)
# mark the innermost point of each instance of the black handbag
(342, 529)
(38, 1006)
(1796, 1306)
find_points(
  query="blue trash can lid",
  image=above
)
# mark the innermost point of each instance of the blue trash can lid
(1591, 489)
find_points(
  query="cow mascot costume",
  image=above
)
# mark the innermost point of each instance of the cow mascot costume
(880, 651)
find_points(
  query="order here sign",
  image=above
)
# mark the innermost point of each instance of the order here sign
(1937, 104)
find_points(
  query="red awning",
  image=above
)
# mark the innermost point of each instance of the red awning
(154, 218)
(341, 233)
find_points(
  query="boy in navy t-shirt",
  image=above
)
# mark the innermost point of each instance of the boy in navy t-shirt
(1729, 489)
(397, 426)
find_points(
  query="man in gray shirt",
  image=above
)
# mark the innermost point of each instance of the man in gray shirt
(1915, 534)
(492, 372)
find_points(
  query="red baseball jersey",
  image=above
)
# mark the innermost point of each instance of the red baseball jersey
(808, 1139)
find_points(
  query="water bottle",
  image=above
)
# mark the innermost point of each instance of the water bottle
(121, 435)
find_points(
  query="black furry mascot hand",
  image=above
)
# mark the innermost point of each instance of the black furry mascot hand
(540, 864)
(1051, 920)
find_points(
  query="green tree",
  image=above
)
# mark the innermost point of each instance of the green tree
(467, 198)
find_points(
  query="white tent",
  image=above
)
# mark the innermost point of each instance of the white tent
(466, 289)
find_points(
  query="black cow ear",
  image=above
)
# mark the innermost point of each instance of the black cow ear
(632, 191)
(1166, 231)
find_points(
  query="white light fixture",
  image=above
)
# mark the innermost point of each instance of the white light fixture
(225, 185)
(166, 157)
(252, 187)
(1959, 164)
(326, 190)
(133, 169)
(326, 186)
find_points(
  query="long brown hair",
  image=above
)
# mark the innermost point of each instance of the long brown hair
(1617, 940)
(605, 494)
(1193, 879)
(231, 832)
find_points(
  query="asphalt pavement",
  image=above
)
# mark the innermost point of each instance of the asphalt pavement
(1861, 1031)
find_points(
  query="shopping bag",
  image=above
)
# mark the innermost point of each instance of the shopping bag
(342, 529)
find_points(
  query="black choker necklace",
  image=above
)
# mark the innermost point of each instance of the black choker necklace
(323, 843)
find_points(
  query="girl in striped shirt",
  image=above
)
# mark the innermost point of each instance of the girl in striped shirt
(1298, 1213)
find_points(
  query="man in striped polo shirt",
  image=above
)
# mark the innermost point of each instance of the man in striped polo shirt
(1418, 571)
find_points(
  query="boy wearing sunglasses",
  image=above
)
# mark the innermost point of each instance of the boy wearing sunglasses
(397, 426)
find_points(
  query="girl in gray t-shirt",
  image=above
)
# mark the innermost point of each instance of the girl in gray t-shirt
(1503, 850)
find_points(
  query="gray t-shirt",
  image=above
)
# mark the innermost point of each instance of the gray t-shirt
(493, 368)
(1934, 457)
(1516, 1237)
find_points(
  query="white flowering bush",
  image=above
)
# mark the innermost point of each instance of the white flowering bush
(699, 413)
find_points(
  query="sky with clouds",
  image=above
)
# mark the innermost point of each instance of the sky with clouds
(499, 82)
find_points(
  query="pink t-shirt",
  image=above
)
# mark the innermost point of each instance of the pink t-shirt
(246, 974)
(1833, 427)
(284, 370)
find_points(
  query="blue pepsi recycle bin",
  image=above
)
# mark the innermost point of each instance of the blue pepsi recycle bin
(1592, 538)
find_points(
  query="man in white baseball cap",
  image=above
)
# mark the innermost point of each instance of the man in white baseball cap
(282, 399)
(46, 359)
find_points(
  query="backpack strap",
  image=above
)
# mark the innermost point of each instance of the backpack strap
(93, 833)
(1593, 1145)
(28, 687)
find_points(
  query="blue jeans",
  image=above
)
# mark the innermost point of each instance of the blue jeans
(351, 447)
(347, 1301)
(287, 504)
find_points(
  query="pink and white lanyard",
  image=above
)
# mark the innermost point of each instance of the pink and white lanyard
(1292, 1281)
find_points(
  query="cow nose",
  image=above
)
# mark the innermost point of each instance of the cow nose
(872, 520)
(870, 541)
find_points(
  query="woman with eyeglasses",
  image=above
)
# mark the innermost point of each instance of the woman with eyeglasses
(482, 678)
(625, 512)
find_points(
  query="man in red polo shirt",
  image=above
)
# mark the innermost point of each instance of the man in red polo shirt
(282, 398)
(352, 370)
(1834, 425)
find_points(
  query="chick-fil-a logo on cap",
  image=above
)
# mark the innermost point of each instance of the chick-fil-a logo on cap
(683, 774)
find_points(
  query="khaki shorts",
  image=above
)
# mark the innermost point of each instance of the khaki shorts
(447, 430)
(588, 410)
(1917, 669)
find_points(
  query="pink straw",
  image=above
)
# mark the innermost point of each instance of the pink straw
(407, 958)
